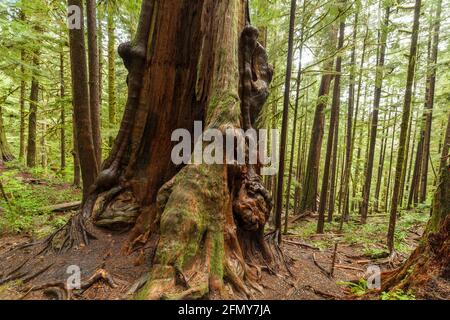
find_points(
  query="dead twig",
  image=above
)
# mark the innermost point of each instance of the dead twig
(301, 244)
(325, 272)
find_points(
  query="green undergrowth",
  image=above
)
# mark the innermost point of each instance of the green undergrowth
(360, 288)
(371, 237)
(29, 191)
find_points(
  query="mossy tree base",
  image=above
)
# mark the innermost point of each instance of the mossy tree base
(427, 270)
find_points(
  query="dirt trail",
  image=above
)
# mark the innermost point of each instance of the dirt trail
(307, 281)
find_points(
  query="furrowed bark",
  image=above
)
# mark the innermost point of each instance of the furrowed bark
(82, 115)
(93, 72)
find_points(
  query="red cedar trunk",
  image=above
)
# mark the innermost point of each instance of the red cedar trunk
(376, 105)
(82, 115)
(404, 126)
(205, 222)
(94, 95)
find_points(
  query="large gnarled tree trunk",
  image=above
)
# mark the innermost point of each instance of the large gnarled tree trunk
(189, 61)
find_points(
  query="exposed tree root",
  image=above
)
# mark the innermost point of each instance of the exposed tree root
(206, 225)
(63, 291)
(322, 269)
(427, 270)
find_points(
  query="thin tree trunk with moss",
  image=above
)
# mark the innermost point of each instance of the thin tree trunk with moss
(333, 131)
(32, 114)
(80, 92)
(404, 126)
(376, 105)
(5, 150)
(111, 70)
(429, 101)
(286, 106)
(381, 159)
(100, 33)
(285, 126)
(388, 184)
(22, 101)
(407, 157)
(334, 165)
(76, 159)
(62, 96)
(309, 189)
(350, 139)
(93, 67)
(411, 159)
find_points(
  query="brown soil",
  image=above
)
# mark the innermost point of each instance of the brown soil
(307, 281)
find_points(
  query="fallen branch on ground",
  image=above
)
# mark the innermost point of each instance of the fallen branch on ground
(62, 207)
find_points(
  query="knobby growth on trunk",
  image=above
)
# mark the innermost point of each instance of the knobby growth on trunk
(190, 61)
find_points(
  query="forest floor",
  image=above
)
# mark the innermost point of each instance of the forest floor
(27, 217)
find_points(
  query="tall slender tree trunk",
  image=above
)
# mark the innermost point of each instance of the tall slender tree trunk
(414, 186)
(376, 105)
(5, 151)
(100, 33)
(294, 131)
(94, 92)
(80, 93)
(333, 131)
(285, 124)
(407, 153)
(76, 158)
(388, 184)
(381, 160)
(344, 192)
(404, 126)
(62, 95)
(32, 115)
(309, 189)
(22, 103)
(411, 158)
(111, 70)
(429, 101)
(334, 165)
